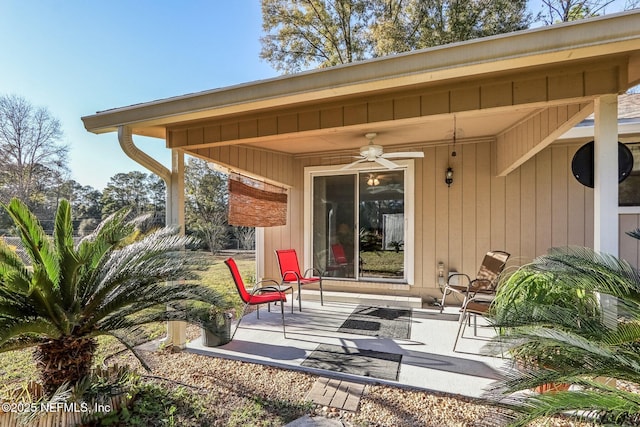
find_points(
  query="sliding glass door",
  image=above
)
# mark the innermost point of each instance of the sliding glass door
(358, 223)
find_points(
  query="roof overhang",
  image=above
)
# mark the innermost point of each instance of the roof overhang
(614, 36)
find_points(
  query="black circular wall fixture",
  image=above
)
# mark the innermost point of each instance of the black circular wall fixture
(582, 163)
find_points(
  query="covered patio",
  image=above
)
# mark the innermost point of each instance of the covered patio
(490, 109)
(425, 360)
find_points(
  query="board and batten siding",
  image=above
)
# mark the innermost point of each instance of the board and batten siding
(629, 246)
(537, 206)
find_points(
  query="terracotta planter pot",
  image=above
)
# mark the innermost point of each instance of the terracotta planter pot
(551, 388)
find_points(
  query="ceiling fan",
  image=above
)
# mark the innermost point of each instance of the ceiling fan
(375, 153)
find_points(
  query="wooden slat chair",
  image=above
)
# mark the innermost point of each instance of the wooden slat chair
(485, 282)
(470, 307)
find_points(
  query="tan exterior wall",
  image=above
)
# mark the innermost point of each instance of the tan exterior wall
(519, 143)
(537, 206)
(629, 247)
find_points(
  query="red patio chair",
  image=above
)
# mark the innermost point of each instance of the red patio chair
(259, 294)
(338, 254)
(339, 262)
(290, 272)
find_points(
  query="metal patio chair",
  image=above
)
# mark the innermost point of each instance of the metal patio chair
(259, 294)
(485, 282)
(290, 272)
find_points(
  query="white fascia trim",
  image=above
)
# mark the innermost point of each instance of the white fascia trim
(587, 130)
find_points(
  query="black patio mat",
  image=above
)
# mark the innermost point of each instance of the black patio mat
(379, 322)
(366, 363)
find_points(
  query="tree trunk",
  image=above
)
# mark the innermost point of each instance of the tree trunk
(65, 360)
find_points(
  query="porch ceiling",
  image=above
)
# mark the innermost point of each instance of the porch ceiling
(399, 134)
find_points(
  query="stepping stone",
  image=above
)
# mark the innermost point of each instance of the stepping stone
(338, 394)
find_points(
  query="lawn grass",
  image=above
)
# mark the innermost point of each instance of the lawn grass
(387, 263)
(17, 367)
(217, 275)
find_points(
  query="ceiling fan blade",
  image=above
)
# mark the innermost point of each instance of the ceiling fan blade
(386, 163)
(352, 164)
(405, 154)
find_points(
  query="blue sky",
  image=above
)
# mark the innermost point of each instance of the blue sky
(76, 57)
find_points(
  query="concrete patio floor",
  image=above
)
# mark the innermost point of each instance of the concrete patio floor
(428, 360)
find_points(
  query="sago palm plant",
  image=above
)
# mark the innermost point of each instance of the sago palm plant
(557, 319)
(110, 283)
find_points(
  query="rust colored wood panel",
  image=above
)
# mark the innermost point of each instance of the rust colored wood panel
(406, 107)
(543, 207)
(560, 176)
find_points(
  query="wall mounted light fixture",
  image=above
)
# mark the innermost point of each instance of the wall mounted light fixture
(448, 176)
